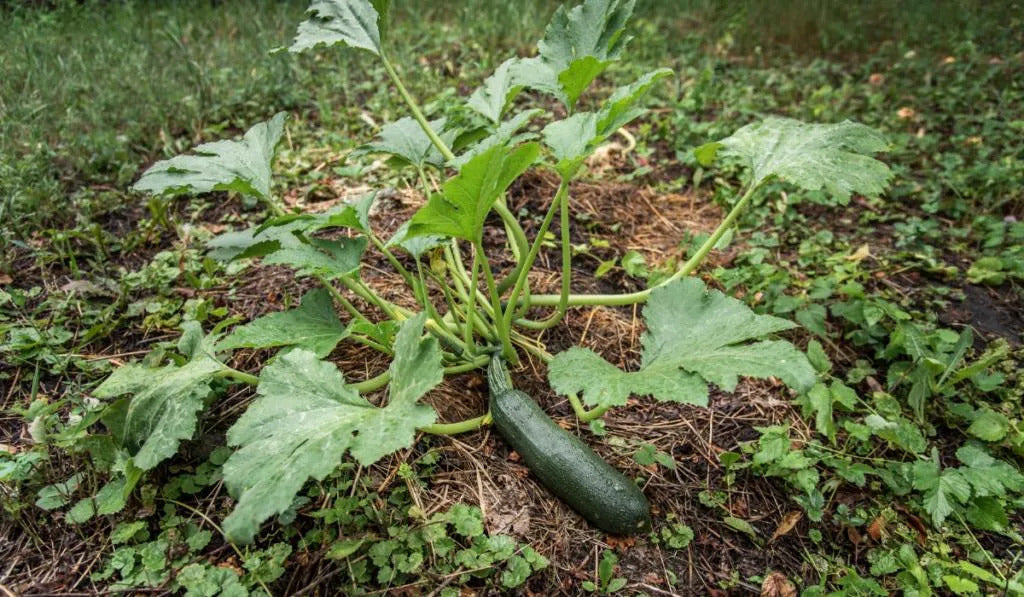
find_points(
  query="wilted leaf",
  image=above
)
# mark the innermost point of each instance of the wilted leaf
(777, 585)
(786, 524)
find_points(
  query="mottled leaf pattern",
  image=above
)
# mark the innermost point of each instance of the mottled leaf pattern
(330, 258)
(406, 140)
(693, 337)
(305, 419)
(314, 325)
(835, 158)
(166, 400)
(354, 23)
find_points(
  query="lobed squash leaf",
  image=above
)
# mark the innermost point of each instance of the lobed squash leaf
(497, 91)
(835, 158)
(466, 199)
(574, 138)
(166, 400)
(694, 337)
(578, 45)
(405, 140)
(314, 326)
(328, 258)
(353, 23)
(305, 419)
(242, 166)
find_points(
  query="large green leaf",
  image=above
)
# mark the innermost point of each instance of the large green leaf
(491, 98)
(242, 166)
(254, 242)
(468, 196)
(574, 138)
(353, 23)
(694, 337)
(507, 133)
(166, 400)
(329, 258)
(835, 158)
(406, 140)
(305, 419)
(353, 214)
(314, 326)
(578, 45)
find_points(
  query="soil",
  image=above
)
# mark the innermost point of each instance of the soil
(478, 468)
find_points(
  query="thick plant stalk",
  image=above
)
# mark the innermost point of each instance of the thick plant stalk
(510, 309)
(563, 297)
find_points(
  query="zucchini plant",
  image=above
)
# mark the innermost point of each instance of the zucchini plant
(308, 414)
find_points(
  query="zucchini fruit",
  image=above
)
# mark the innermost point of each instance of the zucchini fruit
(565, 465)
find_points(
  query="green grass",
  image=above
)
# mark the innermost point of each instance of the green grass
(93, 90)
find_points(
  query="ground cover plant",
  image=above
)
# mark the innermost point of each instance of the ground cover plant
(460, 295)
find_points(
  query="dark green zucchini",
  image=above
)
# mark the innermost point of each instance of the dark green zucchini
(565, 465)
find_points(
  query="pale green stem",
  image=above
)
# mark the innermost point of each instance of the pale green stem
(563, 297)
(476, 363)
(236, 375)
(517, 242)
(506, 343)
(425, 300)
(379, 381)
(548, 300)
(510, 309)
(374, 383)
(415, 109)
(456, 428)
(392, 260)
(471, 304)
(581, 412)
(366, 341)
(457, 256)
(340, 299)
(366, 293)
